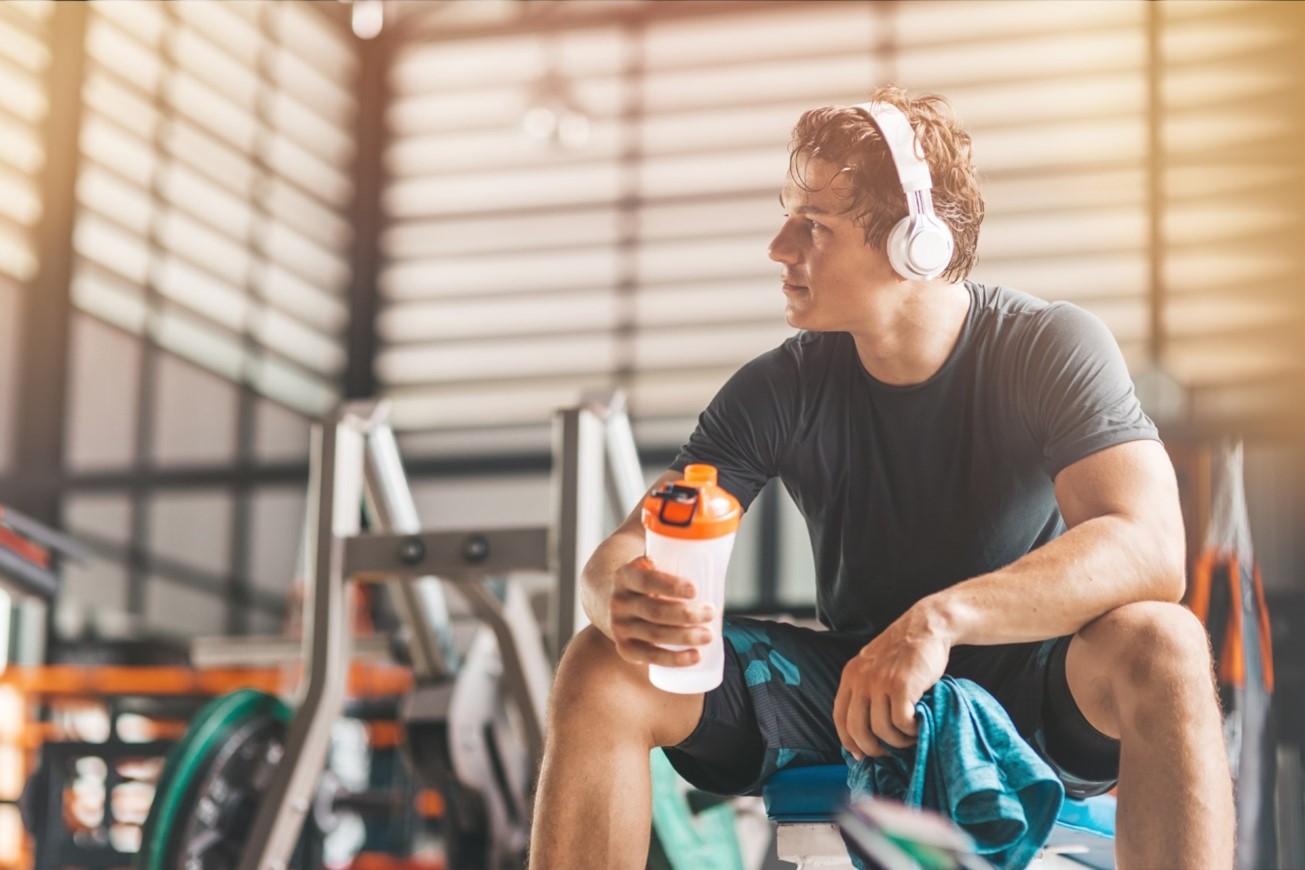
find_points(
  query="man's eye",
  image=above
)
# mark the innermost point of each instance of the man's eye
(812, 226)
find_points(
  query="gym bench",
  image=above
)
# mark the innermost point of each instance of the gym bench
(804, 803)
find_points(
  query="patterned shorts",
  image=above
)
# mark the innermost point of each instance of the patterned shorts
(774, 708)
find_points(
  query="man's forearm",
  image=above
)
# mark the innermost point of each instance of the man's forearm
(1099, 565)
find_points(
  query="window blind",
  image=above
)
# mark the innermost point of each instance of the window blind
(1232, 184)
(1143, 178)
(216, 153)
(24, 59)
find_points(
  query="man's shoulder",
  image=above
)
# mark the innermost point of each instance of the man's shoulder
(1013, 315)
(800, 352)
(998, 301)
(802, 368)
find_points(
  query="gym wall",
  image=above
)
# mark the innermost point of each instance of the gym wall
(207, 251)
(1139, 159)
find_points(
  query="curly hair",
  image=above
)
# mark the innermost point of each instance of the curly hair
(847, 138)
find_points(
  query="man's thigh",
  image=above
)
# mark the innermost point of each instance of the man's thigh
(1030, 682)
(773, 709)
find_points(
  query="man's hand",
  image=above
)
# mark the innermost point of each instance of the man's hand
(649, 609)
(876, 697)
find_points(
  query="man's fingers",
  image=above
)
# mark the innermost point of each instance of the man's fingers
(882, 722)
(650, 609)
(858, 729)
(903, 716)
(642, 652)
(641, 576)
(656, 633)
(665, 611)
(840, 722)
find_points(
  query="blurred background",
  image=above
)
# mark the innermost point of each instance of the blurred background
(219, 219)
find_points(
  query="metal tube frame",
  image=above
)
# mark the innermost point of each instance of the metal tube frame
(354, 456)
(390, 506)
(336, 477)
(577, 479)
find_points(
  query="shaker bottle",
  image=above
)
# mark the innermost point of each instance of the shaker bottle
(689, 529)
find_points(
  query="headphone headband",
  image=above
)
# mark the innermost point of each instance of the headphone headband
(905, 148)
(919, 246)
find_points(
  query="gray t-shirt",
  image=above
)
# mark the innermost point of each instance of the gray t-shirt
(909, 490)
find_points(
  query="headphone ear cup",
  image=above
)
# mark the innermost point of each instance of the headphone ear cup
(896, 248)
(919, 248)
(929, 247)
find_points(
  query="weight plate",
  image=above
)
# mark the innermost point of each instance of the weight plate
(225, 800)
(190, 762)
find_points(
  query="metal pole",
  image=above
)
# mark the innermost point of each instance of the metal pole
(338, 475)
(420, 603)
(40, 418)
(526, 671)
(366, 214)
(578, 484)
(623, 466)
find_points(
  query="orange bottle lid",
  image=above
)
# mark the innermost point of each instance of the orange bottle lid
(693, 507)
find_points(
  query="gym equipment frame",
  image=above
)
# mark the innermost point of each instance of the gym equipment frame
(355, 457)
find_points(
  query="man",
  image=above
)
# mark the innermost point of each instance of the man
(985, 499)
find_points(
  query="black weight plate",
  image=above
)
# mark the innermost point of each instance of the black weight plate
(225, 800)
(190, 762)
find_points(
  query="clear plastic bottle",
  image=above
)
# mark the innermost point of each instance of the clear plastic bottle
(689, 526)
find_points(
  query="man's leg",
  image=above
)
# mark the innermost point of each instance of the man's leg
(1142, 674)
(594, 803)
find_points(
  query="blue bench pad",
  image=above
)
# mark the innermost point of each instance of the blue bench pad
(816, 794)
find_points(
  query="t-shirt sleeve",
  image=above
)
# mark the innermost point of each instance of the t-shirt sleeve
(745, 429)
(1080, 396)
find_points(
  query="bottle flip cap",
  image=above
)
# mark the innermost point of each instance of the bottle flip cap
(693, 507)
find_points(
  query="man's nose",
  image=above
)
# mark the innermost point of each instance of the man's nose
(781, 248)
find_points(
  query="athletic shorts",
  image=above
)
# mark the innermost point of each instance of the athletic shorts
(774, 708)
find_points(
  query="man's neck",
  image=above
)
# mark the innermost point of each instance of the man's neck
(906, 339)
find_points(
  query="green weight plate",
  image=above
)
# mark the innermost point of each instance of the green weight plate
(189, 761)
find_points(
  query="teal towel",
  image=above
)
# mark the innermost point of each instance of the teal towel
(972, 766)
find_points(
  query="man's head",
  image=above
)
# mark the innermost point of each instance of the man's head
(848, 139)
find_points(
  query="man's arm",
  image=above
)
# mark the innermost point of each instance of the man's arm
(638, 607)
(1124, 543)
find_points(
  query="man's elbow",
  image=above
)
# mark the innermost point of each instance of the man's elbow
(1173, 581)
(1167, 546)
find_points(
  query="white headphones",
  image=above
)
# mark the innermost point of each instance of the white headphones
(919, 245)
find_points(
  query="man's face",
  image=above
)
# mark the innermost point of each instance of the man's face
(829, 272)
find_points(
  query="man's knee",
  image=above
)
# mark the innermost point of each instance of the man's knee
(590, 669)
(594, 684)
(1150, 644)
(1154, 656)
